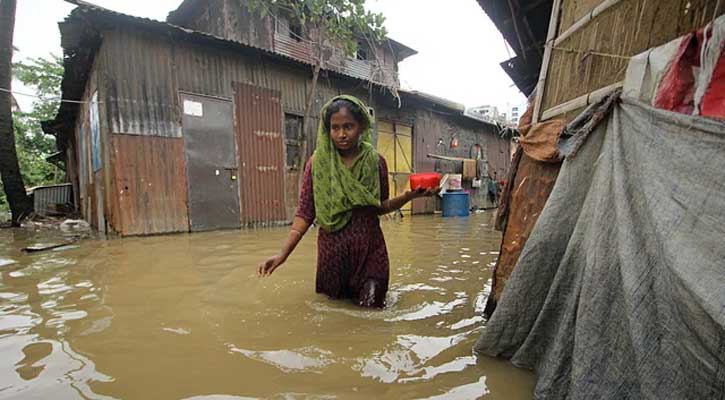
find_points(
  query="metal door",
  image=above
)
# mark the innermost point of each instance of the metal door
(211, 163)
(261, 152)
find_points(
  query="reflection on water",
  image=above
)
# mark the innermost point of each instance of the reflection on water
(184, 317)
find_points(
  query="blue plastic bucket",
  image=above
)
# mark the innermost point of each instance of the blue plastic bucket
(456, 204)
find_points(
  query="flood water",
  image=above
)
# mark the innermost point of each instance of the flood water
(184, 316)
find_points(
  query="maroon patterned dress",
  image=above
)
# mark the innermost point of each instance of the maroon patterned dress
(348, 258)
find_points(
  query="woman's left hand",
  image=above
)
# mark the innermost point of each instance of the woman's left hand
(423, 192)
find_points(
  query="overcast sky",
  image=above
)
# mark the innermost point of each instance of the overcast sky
(459, 48)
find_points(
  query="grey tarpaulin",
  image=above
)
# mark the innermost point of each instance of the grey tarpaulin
(620, 290)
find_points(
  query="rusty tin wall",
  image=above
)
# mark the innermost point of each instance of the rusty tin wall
(499, 156)
(145, 70)
(261, 153)
(299, 50)
(82, 138)
(232, 20)
(143, 77)
(148, 178)
(140, 90)
(211, 72)
(532, 185)
(433, 133)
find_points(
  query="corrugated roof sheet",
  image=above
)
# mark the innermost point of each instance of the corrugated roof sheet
(521, 23)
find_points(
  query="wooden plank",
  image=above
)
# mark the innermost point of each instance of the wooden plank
(581, 101)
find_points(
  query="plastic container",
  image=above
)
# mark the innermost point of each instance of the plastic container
(456, 204)
(429, 180)
(454, 182)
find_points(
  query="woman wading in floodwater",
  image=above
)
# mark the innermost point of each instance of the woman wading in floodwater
(345, 189)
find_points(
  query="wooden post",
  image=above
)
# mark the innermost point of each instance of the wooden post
(581, 101)
(553, 25)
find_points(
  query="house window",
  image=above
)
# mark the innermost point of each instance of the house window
(289, 29)
(295, 32)
(362, 52)
(293, 139)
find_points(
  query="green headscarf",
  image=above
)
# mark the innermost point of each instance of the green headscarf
(338, 189)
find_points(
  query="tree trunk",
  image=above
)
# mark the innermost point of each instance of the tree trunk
(308, 108)
(20, 204)
(311, 98)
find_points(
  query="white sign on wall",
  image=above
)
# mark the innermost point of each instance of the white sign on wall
(193, 108)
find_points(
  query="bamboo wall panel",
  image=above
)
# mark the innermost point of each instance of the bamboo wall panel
(625, 29)
(573, 10)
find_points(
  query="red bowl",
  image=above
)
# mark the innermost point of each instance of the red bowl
(428, 180)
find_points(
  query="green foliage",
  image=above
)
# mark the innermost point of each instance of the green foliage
(344, 21)
(31, 144)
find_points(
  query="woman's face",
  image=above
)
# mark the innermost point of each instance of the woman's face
(345, 131)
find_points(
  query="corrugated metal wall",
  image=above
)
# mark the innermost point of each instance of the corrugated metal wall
(145, 69)
(433, 127)
(231, 19)
(261, 152)
(499, 156)
(300, 50)
(244, 27)
(211, 72)
(87, 203)
(143, 78)
(140, 93)
(150, 184)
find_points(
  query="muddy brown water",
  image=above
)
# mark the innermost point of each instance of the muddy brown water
(184, 317)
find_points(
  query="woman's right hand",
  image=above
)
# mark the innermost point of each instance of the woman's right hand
(422, 192)
(266, 268)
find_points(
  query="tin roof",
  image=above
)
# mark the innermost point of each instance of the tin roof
(524, 25)
(440, 101)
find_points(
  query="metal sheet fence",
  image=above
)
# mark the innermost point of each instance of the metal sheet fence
(46, 197)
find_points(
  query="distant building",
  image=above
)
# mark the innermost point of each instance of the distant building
(515, 112)
(509, 116)
(488, 113)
